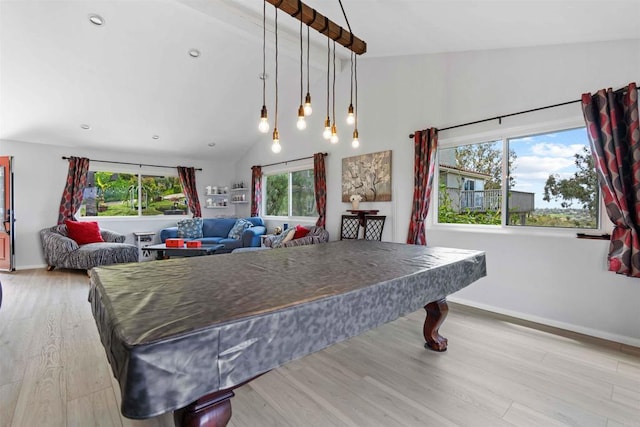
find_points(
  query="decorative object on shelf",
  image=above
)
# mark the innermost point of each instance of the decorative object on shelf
(277, 230)
(355, 201)
(371, 171)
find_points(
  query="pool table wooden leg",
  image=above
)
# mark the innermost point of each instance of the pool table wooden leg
(436, 313)
(212, 410)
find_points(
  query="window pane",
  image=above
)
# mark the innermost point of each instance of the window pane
(470, 184)
(163, 195)
(116, 194)
(553, 181)
(303, 200)
(278, 195)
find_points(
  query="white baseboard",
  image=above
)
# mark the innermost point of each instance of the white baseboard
(31, 267)
(549, 322)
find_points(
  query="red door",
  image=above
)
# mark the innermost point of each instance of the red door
(6, 214)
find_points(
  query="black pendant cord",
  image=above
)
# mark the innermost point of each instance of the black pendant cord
(264, 52)
(355, 115)
(328, 70)
(276, 29)
(301, 66)
(307, 59)
(334, 84)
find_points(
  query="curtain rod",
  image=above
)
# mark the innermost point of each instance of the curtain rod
(289, 161)
(499, 118)
(134, 164)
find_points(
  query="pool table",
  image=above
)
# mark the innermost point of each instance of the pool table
(181, 334)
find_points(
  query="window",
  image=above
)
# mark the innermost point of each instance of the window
(290, 194)
(549, 181)
(126, 194)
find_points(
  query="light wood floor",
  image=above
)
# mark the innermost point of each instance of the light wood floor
(53, 372)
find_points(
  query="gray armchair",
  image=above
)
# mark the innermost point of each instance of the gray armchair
(63, 252)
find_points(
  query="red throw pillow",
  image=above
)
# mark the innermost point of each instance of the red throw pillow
(84, 232)
(300, 232)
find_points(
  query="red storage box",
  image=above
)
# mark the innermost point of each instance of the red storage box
(174, 243)
(194, 244)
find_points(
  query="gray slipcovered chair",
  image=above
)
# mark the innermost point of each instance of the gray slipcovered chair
(63, 252)
(316, 235)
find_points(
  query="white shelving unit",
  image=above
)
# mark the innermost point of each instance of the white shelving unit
(217, 197)
(239, 195)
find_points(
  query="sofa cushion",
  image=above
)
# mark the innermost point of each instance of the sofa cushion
(190, 228)
(210, 240)
(301, 232)
(217, 227)
(239, 227)
(84, 232)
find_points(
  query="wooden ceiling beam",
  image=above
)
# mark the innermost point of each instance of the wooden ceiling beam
(321, 23)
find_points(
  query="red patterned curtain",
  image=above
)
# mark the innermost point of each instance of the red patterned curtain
(73, 189)
(426, 144)
(188, 180)
(613, 128)
(320, 186)
(256, 190)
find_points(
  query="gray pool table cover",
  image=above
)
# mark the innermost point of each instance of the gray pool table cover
(178, 329)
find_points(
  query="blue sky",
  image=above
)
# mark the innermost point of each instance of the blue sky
(539, 156)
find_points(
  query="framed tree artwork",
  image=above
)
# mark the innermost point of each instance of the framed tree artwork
(368, 175)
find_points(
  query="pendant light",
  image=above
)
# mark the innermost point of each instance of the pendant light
(350, 116)
(301, 124)
(307, 99)
(327, 123)
(275, 147)
(334, 130)
(264, 120)
(356, 143)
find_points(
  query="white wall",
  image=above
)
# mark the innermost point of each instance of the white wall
(552, 278)
(39, 177)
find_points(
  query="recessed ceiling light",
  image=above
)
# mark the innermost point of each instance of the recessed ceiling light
(85, 126)
(194, 53)
(96, 19)
(211, 144)
(155, 137)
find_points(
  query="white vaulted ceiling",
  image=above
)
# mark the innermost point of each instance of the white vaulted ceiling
(133, 78)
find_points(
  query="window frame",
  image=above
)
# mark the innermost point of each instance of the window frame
(503, 135)
(307, 165)
(140, 173)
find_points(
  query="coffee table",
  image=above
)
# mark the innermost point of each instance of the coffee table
(164, 252)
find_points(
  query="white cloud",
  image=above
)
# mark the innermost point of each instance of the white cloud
(539, 168)
(559, 150)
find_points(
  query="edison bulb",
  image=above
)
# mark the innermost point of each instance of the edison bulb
(334, 134)
(264, 125)
(301, 124)
(307, 105)
(264, 121)
(351, 119)
(355, 143)
(275, 147)
(327, 132)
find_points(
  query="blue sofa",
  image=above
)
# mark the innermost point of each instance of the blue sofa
(216, 230)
